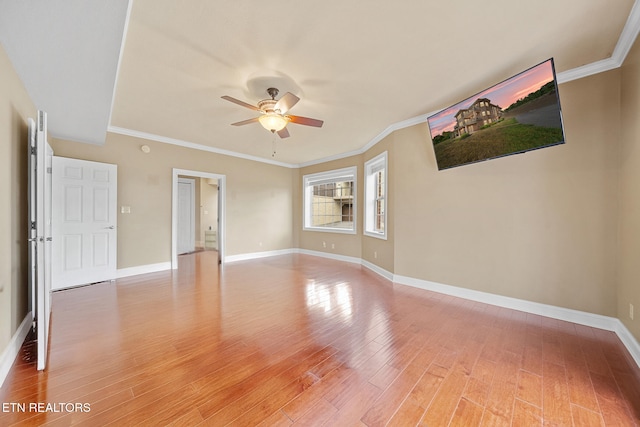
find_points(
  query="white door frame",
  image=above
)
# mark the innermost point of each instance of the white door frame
(191, 182)
(222, 184)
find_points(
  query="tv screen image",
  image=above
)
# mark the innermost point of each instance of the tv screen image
(517, 115)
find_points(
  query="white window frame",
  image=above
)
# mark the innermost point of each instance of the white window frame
(371, 167)
(337, 175)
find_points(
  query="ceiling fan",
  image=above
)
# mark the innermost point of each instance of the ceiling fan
(273, 113)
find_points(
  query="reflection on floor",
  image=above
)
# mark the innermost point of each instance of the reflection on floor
(305, 340)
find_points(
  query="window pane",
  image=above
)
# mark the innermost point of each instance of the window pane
(375, 195)
(379, 215)
(332, 205)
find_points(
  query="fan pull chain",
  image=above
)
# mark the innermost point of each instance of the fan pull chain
(273, 144)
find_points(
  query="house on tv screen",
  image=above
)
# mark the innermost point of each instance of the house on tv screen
(481, 113)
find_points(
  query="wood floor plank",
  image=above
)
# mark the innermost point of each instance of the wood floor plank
(387, 404)
(351, 411)
(264, 385)
(296, 339)
(530, 388)
(318, 413)
(297, 407)
(444, 403)
(502, 392)
(412, 409)
(467, 414)
(585, 417)
(277, 419)
(525, 414)
(556, 400)
(613, 406)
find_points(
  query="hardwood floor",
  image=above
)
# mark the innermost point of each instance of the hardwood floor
(299, 340)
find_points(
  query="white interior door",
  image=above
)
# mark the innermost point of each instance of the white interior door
(186, 215)
(84, 222)
(40, 154)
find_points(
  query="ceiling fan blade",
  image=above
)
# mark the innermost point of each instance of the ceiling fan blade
(245, 122)
(305, 121)
(237, 101)
(284, 133)
(285, 103)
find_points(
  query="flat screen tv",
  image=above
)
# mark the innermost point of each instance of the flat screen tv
(517, 115)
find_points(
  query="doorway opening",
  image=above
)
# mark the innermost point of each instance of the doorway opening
(209, 207)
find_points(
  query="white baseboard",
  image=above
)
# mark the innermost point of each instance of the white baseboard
(13, 348)
(379, 270)
(580, 317)
(560, 313)
(628, 340)
(143, 269)
(337, 257)
(265, 254)
(256, 255)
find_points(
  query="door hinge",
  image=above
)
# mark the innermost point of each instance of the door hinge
(34, 151)
(33, 225)
(49, 170)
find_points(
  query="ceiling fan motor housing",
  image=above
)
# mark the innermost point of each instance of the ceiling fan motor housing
(267, 105)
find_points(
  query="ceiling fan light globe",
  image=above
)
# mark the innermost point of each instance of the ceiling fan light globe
(273, 122)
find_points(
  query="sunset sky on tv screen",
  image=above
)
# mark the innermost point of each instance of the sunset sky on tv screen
(503, 94)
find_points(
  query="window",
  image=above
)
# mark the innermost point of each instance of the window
(330, 201)
(375, 188)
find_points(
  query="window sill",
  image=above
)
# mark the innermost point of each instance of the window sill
(381, 236)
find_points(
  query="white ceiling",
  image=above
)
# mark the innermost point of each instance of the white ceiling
(364, 68)
(66, 53)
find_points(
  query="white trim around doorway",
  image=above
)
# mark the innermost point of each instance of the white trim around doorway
(222, 180)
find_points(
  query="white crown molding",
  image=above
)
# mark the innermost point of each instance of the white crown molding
(625, 42)
(587, 70)
(328, 159)
(13, 348)
(628, 35)
(193, 145)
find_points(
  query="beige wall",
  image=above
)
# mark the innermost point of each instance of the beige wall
(539, 226)
(629, 264)
(258, 197)
(15, 108)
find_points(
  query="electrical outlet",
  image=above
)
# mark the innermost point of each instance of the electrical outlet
(375, 254)
(631, 311)
(333, 246)
(324, 244)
